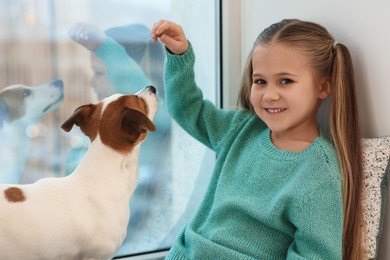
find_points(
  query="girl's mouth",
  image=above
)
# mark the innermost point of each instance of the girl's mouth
(275, 110)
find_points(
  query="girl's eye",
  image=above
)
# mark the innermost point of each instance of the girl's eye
(260, 81)
(286, 81)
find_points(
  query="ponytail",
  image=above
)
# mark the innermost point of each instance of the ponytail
(344, 124)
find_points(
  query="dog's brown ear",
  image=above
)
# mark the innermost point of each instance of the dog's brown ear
(134, 121)
(80, 117)
(122, 129)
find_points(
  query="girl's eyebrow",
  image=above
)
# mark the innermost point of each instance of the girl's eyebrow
(287, 74)
(278, 74)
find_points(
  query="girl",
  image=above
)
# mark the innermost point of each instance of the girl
(280, 189)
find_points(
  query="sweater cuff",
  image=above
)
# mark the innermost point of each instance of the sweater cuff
(176, 61)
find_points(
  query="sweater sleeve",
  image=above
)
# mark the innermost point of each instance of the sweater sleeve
(199, 117)
(123, 72)
(319, 224)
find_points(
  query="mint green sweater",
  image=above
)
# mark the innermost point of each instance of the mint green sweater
(262, 202)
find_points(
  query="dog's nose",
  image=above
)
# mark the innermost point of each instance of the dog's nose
(151, 89)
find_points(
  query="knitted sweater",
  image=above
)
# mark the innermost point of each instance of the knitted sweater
(262, 202)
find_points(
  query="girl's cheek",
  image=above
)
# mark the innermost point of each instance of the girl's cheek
(255, 97)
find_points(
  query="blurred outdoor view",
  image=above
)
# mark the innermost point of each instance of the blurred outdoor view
(36, 50)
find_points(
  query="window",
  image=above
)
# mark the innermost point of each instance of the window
(37, 50)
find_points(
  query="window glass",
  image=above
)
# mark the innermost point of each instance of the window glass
(47, 49)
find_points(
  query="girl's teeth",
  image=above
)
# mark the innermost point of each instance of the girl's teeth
(275, 110)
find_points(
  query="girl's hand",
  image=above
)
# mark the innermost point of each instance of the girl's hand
(172, 35)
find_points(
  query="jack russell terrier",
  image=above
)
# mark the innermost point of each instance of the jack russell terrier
(85, 214)
(21, 107)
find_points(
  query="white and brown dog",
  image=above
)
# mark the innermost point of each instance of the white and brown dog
(21, 107)
(85, 214)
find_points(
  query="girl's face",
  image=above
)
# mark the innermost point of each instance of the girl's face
(100, 82)
(285, 92)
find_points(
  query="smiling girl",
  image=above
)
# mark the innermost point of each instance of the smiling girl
(280, 189)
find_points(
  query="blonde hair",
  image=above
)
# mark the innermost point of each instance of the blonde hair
(333, 60)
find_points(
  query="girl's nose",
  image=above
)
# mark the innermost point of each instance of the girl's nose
(271, 95)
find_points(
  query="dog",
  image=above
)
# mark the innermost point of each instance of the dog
(83, 215)
(21, 107)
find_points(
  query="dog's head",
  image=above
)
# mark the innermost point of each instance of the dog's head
(121, 121)
(28, 104)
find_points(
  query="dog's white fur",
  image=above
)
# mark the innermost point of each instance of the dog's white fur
(85, 214)
(22, 106)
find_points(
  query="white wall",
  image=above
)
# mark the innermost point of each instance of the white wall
(363, 26)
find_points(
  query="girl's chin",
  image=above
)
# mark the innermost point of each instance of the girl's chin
(275, 127)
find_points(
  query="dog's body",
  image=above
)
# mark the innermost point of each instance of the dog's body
(21, 107)
(85, 214)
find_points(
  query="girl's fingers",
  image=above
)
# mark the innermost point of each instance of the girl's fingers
(171, 34)
(157, 30)
(162, 28)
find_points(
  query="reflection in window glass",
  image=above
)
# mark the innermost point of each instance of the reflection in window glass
(67, 53)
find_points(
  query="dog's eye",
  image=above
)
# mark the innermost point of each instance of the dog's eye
(26, 92)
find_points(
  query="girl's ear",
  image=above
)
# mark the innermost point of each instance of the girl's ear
(325, 88)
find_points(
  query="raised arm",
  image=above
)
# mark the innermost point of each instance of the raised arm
(198, 116)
